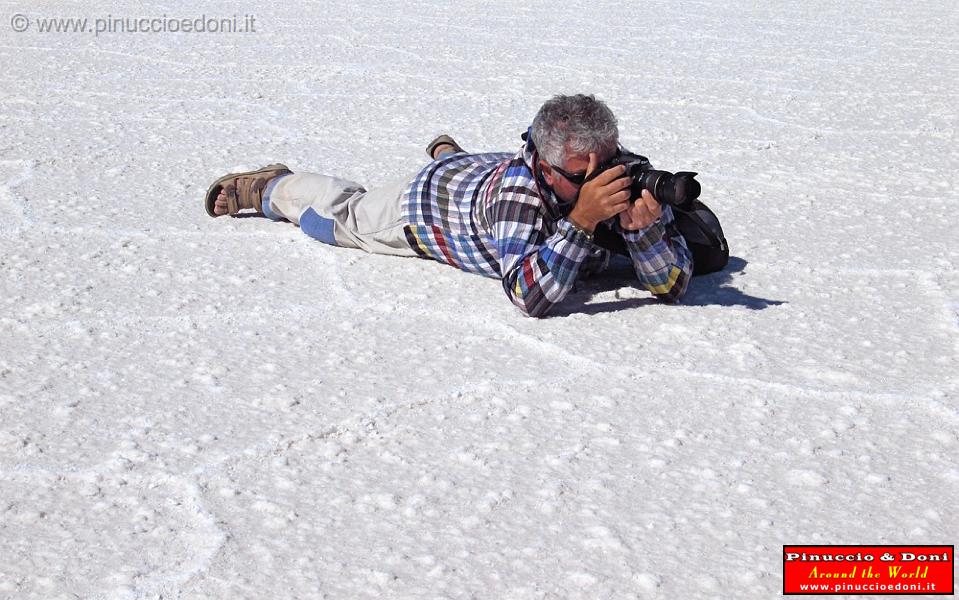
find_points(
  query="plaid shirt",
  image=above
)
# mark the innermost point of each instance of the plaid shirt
(489, 214)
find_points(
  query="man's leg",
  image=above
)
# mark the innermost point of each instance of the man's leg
(339, 212)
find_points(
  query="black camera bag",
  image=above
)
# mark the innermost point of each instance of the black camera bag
(698, 225)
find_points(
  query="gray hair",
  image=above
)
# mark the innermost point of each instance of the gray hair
(579, 124)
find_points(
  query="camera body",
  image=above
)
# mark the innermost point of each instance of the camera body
(675, 189)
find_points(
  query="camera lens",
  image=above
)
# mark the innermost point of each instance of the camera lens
(677, 190)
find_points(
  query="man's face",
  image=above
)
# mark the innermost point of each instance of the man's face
(574, 165)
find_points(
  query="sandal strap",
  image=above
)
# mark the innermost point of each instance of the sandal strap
(246, 191)
(250, 190)
(232, 202)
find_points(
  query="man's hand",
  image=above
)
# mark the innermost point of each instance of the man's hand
(601, 198)
(641, 213)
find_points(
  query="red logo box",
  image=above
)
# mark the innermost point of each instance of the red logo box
(876, 570)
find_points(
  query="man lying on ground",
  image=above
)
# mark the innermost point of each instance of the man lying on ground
(526, 218)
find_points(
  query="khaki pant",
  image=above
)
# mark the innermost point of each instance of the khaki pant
(341, 212)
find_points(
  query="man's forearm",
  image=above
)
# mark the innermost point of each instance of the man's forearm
(545, 276)
(662, 263)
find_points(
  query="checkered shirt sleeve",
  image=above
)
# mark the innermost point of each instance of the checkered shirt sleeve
(661, 259)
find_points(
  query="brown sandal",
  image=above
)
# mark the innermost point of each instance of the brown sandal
(441, 141)
(243, 190)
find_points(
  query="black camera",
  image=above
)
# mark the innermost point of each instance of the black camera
(676, 189)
